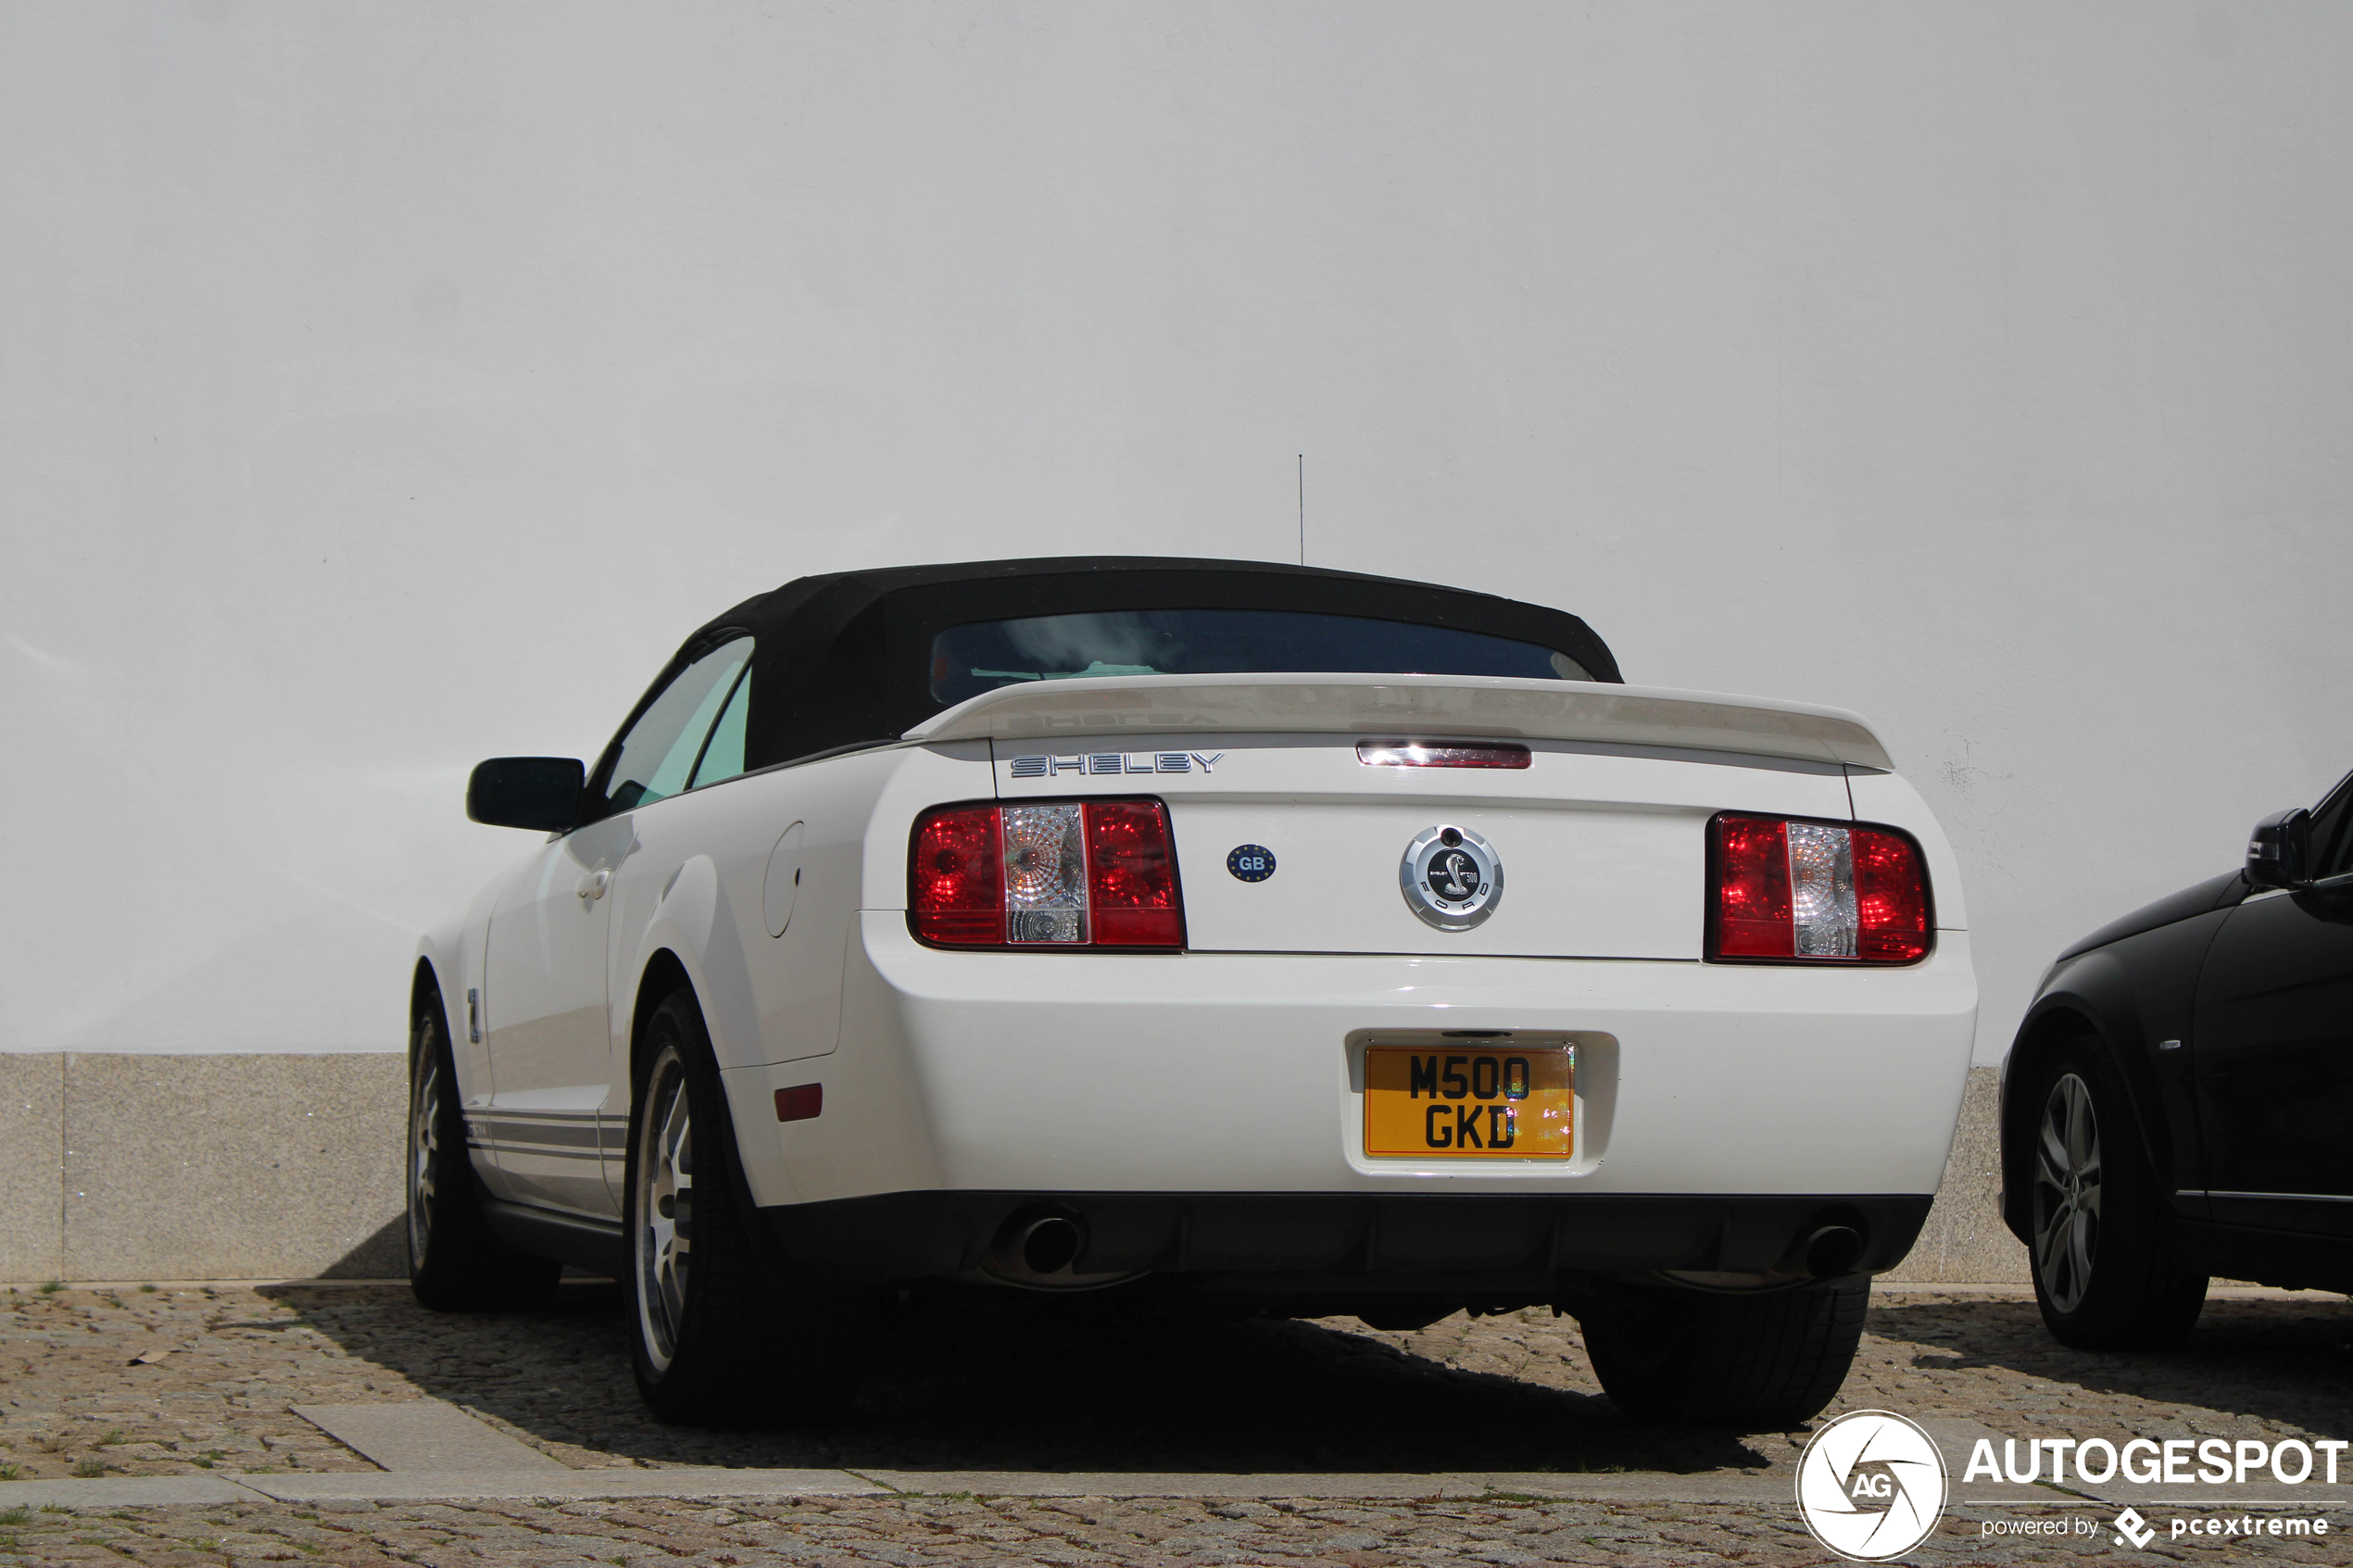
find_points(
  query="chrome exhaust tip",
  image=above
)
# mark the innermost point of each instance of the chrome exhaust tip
(1036, 1247)
(1048, 1245)
(1833, 1250)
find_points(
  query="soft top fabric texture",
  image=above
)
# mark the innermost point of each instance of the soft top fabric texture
(842, 659)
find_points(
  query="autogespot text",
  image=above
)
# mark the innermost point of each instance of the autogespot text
(2149, 1461)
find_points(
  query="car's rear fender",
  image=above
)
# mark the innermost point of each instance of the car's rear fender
(696, 885)
(694, 935)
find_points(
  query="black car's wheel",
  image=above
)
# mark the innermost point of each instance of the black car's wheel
(455, 1264)
(2103, 1263)
(1756, 1364)
(723, 1334)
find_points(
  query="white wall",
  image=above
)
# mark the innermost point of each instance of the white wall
(383, 386)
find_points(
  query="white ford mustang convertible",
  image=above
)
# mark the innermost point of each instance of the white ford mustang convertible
(1283, 940)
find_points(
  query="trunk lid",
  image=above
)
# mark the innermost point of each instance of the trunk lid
(1600, 841)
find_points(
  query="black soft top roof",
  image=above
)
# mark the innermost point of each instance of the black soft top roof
(842, 659)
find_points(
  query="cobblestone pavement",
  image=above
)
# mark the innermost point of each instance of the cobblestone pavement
(183, 1381)
(906, 1531)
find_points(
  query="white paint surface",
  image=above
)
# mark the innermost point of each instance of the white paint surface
(384, 386)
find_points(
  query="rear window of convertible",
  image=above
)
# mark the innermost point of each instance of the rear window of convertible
(968, 660)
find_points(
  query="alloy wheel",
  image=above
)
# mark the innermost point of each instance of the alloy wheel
(665, 1209)
(424, 1151)
(2067, 1192)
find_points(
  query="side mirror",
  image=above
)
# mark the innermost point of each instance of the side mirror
(541, 793)
(2278, 852)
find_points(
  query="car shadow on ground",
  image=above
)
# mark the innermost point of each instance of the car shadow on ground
(1108, 1382)
(2282, 1359)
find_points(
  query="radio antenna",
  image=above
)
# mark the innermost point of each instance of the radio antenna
(1302, 508)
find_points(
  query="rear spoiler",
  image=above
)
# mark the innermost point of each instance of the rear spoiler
(1410, 707)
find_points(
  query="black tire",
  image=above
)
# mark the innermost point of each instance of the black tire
(2099, 1234)
(455, 1263)
(723, 1334)
(1766, 1362)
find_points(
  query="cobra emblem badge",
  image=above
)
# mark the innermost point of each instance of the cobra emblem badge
(1451, 877)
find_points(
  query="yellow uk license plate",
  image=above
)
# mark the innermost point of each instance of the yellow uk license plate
(1500, 1104)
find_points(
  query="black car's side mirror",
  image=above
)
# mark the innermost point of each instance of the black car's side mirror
(2278, 852)
(527, 791)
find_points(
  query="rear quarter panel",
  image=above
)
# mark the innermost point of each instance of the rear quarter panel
(696, 887)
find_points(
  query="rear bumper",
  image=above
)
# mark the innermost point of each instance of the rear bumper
(1526, 1244)
(1050, 1073)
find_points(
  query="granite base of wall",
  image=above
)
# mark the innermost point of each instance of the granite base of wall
(202, 1167)
(288, 1167)
(1964, 1241)
(33, 1094)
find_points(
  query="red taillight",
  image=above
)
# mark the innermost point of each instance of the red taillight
(1440, 754)
(1890, 893)
(1131, 877)
(1751, 886)
(1061, 873)
(956, 877)
(1814, 892)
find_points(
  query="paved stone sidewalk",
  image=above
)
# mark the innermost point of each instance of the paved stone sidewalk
(904, 1532)
(201, 1382)
(191, 1380)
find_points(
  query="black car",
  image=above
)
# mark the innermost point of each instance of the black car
(2179, 1101)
